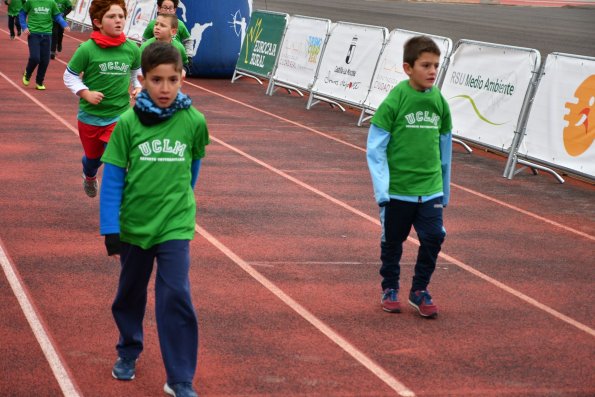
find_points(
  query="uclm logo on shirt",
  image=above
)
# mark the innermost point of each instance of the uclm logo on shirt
(579, 134)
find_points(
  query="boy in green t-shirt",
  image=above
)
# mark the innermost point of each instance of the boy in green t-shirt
(36, 18)
(409, 154)
(14, 8)
(65, 6)
(108, 63)
(147, 213)
(182, 35)
(166, 27)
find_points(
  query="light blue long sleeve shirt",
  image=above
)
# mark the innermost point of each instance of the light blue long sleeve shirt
(378, 140)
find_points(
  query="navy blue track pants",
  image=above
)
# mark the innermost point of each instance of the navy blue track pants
(177, 324)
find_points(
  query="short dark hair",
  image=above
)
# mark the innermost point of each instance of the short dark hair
(173, 19)
(417, 45)
(160, 3)
(160, 53)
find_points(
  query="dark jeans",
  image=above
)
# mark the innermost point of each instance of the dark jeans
(397, 218)
(12, 22)
(57, 36)
(39, 55)
(177, 325)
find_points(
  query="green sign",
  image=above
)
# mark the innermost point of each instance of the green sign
(262, 43)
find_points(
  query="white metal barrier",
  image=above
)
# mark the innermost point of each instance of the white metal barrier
(140, 13)
(301, 51)
(348, 63)
(560, 130)
(489, 87)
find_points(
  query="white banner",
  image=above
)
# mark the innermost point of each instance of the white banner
(348, 63)
(80, 13)
(301, 51)
(140, 13)
(561, 126)
(485, 86)
(389, 71)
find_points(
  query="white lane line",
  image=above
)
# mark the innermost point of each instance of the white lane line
(69, 389)
(354, 352)
(522, 211)
(448, 258)
(471, 191)
(41, 105)
(58, 368)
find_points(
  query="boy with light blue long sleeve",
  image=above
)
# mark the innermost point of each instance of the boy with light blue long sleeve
(409, 154)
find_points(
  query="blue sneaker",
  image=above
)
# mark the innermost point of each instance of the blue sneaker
(124, 368)
(180, 390)
(390, 301)
(422, 301)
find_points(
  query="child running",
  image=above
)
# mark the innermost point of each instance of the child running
(147, 213)
(14, 8)
(182, 35)
(409, 155)
(108, 63)
(36, 18)
(166, 27)
(65, 7)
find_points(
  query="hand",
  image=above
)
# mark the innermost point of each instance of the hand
(134, 92)
(112, 244)
(26, 32)
(67, 29)
(93, 97)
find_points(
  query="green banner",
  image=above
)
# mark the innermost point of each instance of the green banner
(262, 43)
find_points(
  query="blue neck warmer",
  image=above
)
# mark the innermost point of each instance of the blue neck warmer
(151, 114)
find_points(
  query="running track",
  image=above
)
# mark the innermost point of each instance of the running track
(284, 264)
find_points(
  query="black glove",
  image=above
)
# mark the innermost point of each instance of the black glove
(112, 244)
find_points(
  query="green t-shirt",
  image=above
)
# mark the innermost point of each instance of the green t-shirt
(63, 5)
(15, 7)
(182, 34)
(158, 202)
(106, 70)
(415, 121)
(175, 43)
(40, 15)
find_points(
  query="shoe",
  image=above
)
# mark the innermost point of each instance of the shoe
(12, 37)
(19, 33)
(26, 80)
(180, 390)
(40, 87)
(390, 301)
(422, 301)
(52, 55)
(124, 368)
(90, 185)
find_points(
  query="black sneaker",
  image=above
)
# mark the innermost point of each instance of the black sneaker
(180, 390)
(124, 368)
(52, 55)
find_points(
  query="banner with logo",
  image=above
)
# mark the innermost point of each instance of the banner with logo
(80, 13)
(217, 30)
(262, 43)
(389, 71)
(561, 126)
(140, 13)
(301, 51)
(348, 62)
(485, 86)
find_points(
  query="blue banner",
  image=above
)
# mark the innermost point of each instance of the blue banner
(217, 29)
